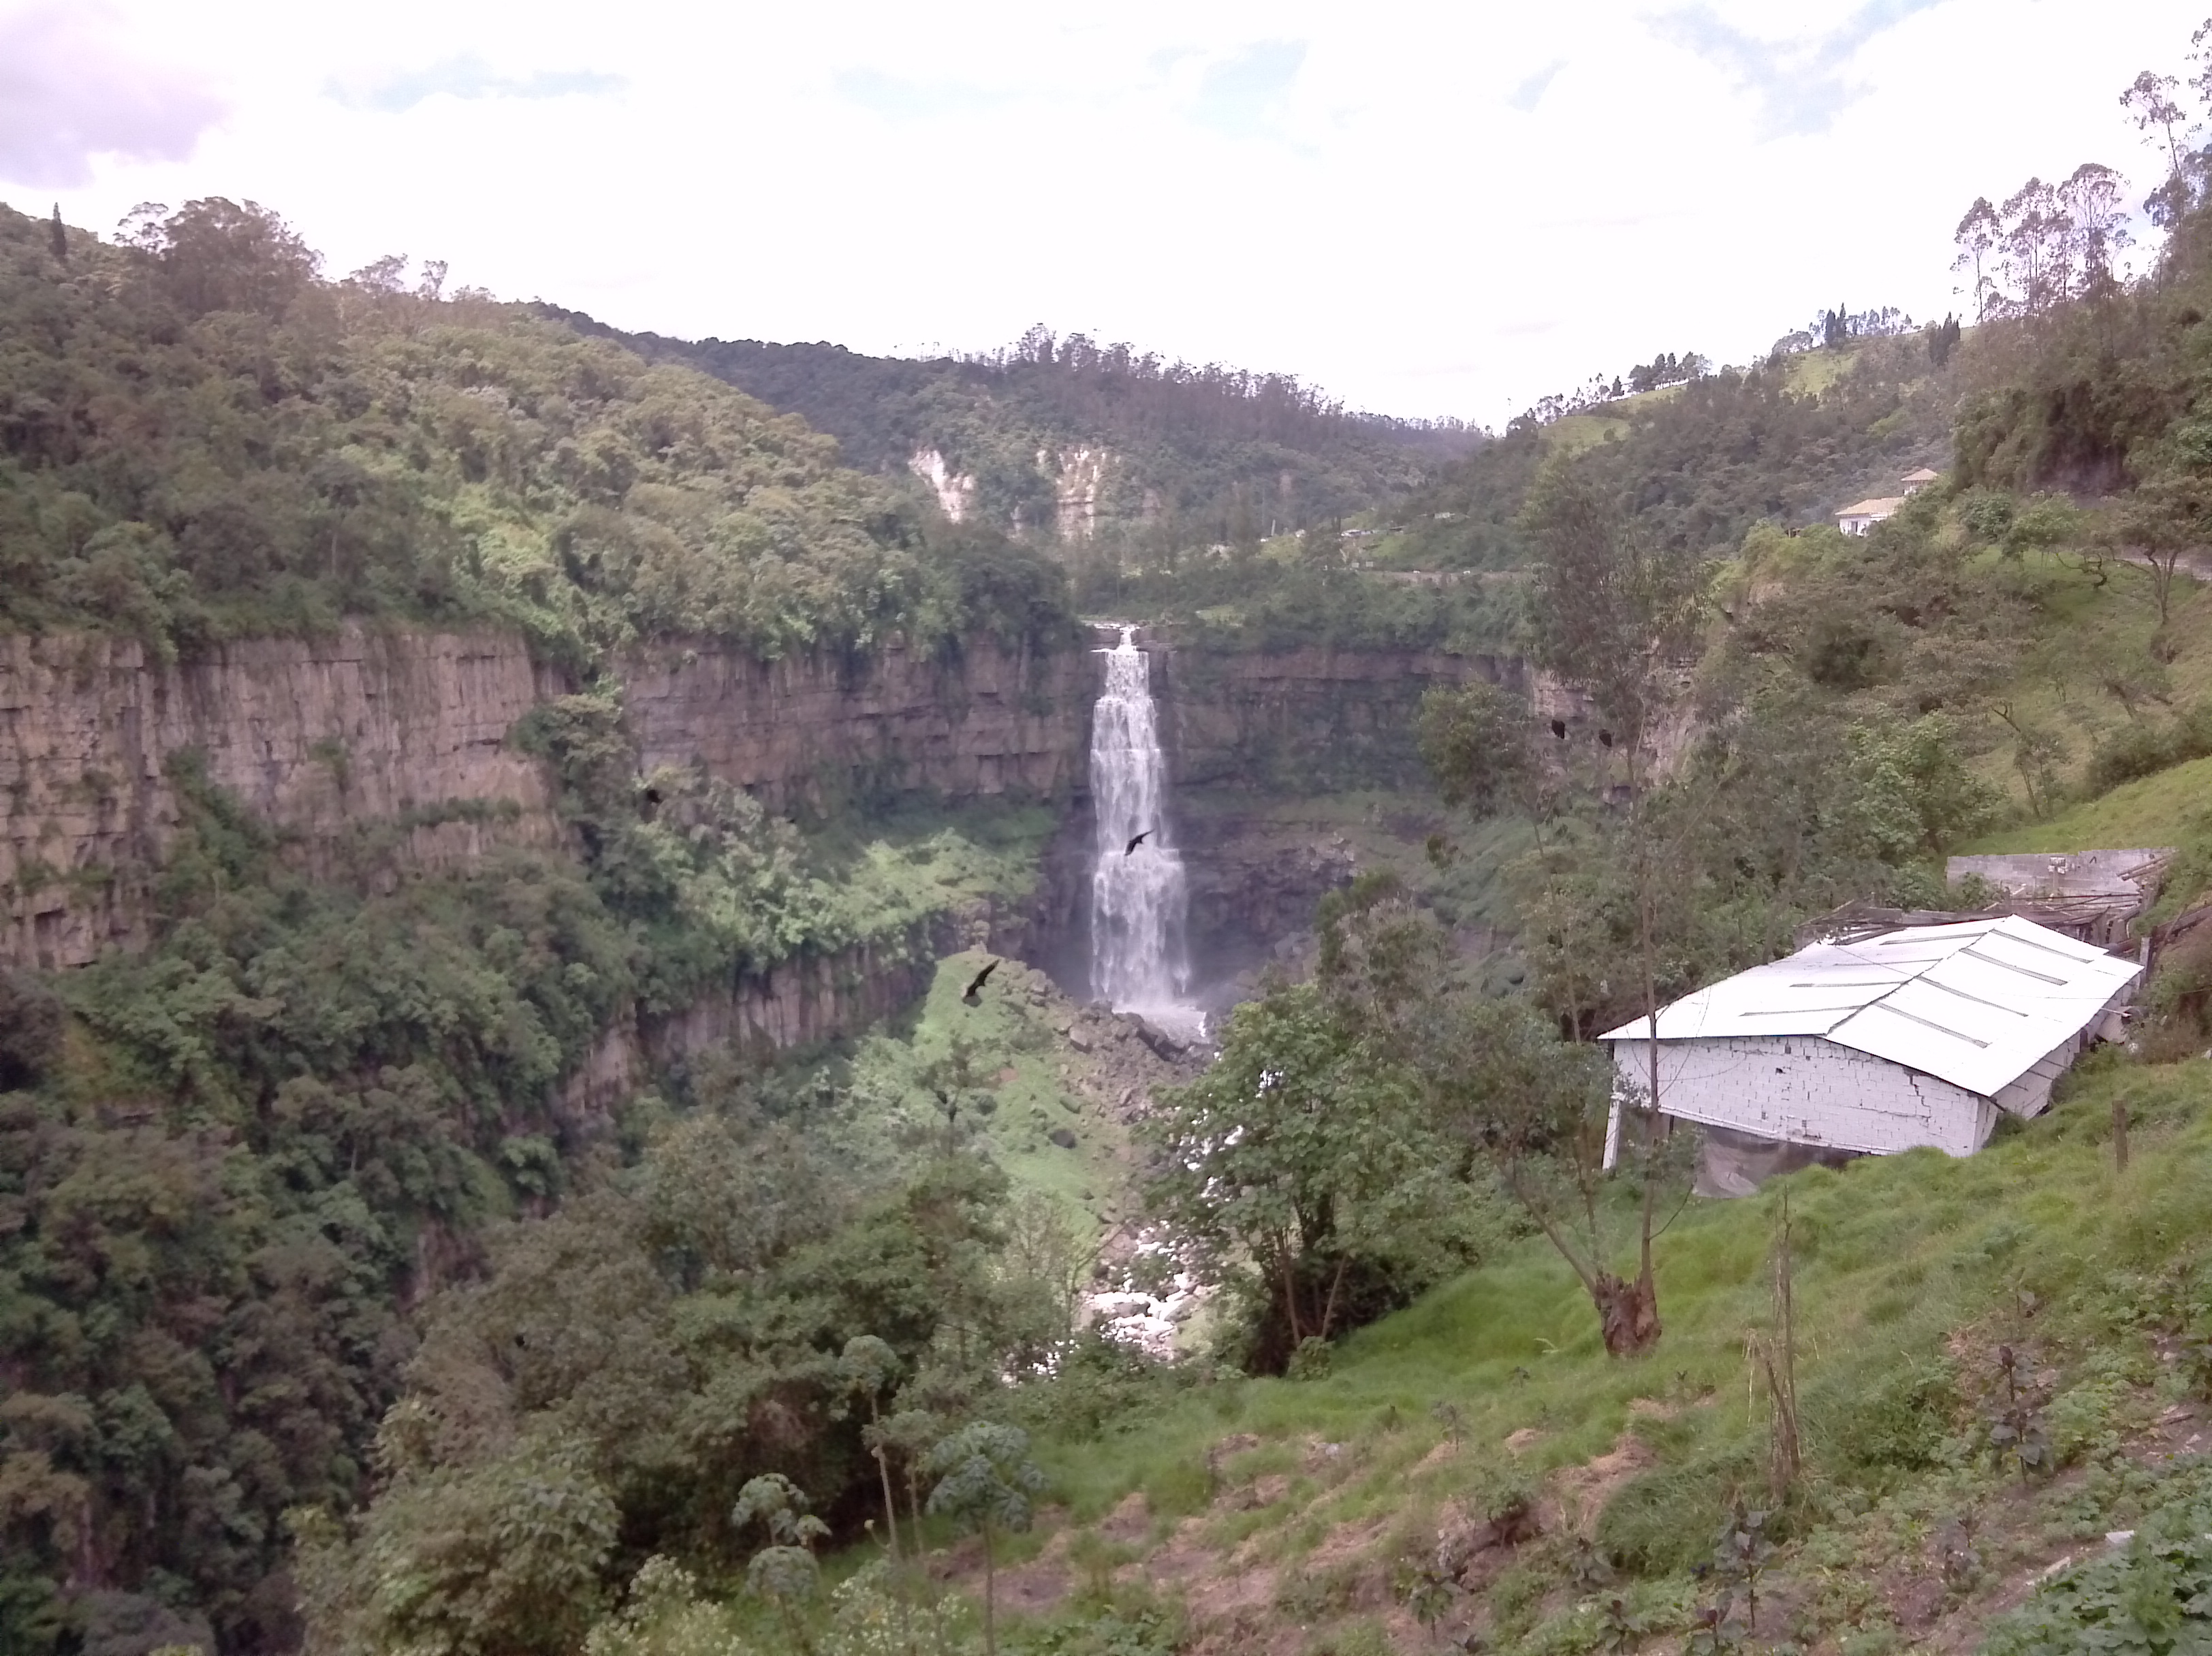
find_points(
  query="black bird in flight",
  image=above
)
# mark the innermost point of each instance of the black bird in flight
(1604, 737)
(1559, 729)
(974, 994)
(1130, 850)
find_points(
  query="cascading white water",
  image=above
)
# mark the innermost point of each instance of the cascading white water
(1139, 900)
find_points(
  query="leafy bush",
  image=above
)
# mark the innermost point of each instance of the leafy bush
(2140, 749)
(2154, 1595)
(1662, 1520)
(1894, 1419)
(31, 1018)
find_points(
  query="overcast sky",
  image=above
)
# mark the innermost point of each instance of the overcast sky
(1442, 208)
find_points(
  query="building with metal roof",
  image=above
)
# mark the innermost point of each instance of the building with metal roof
(1882, 1043)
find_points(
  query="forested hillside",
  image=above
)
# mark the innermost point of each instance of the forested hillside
(231, 1165)
(1072, 440)
(1789, 441)
(200, 437)
(350, 1302)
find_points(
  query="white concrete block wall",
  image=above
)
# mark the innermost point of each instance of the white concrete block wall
(1810, 1091)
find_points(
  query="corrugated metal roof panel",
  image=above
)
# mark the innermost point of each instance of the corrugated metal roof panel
(1978, 1003)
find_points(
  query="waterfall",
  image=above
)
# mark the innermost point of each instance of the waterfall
(1138, 899)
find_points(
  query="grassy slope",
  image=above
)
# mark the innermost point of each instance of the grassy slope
(1025, 1079)
(2163, 810)
(1909, 1266)
(2058, 687)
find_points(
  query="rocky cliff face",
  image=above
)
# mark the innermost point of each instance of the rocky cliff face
(1307, 720)
(412, 732)
(807, 729)
(314, 735)
(796, 1003)
(321, 736)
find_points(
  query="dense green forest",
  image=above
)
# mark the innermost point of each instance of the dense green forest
(1192, 456)
(200, 437)
(233, 1162)
(1788, 440)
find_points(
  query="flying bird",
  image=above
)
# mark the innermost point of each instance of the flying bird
(974, 996)
(1559, 729)
(1604, 737)
(1130, 850)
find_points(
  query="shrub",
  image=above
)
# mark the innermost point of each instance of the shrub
(1664, 1520)
(30, 1029)
(2140, 750)
(2154, 1596)
(1893, 1422)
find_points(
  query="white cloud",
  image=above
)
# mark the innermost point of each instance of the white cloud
(70, 89)
(466, 76)
(1424, 209)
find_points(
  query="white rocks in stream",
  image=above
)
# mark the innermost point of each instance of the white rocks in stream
(1148, 1319)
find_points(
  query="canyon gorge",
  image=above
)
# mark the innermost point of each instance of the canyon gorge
(401, 745)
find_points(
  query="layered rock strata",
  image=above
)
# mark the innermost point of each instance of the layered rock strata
(314, 735)
(807, 729)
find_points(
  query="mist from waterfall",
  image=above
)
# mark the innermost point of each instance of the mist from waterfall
(1139, 900)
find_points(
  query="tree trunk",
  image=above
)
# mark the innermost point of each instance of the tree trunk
(990, 1597)
(1328, 1311)
(1627, 1314)
(883, 1467)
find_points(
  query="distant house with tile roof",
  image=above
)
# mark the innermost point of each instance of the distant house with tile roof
(1861, 518)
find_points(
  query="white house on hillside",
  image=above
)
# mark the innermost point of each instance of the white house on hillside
(1859, 518)
(1912, 1037)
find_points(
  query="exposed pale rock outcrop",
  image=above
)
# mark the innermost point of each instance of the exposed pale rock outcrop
(955, 490)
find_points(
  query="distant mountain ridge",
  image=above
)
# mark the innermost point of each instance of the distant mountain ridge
(1082, 442)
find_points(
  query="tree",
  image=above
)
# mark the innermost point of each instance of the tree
(1977, 235)
(58, 235)
(1478, 742)
(503, 1557)
(985, 1480)
(2089, 204)
(2035, 248)
(1538, 1109)
(869, 1368)
(910, 1433)
(2150, 99)
(784, 1572)
(2163, 521)
(1942, 340)
(1614, 613)
(220, 255)
(1300, 1151)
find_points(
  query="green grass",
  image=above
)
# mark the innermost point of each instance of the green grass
(1022, 1085)
(2169, 809)
(1812, 373)
(2058, 688)
(1908, 1268)
(1571, 433)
